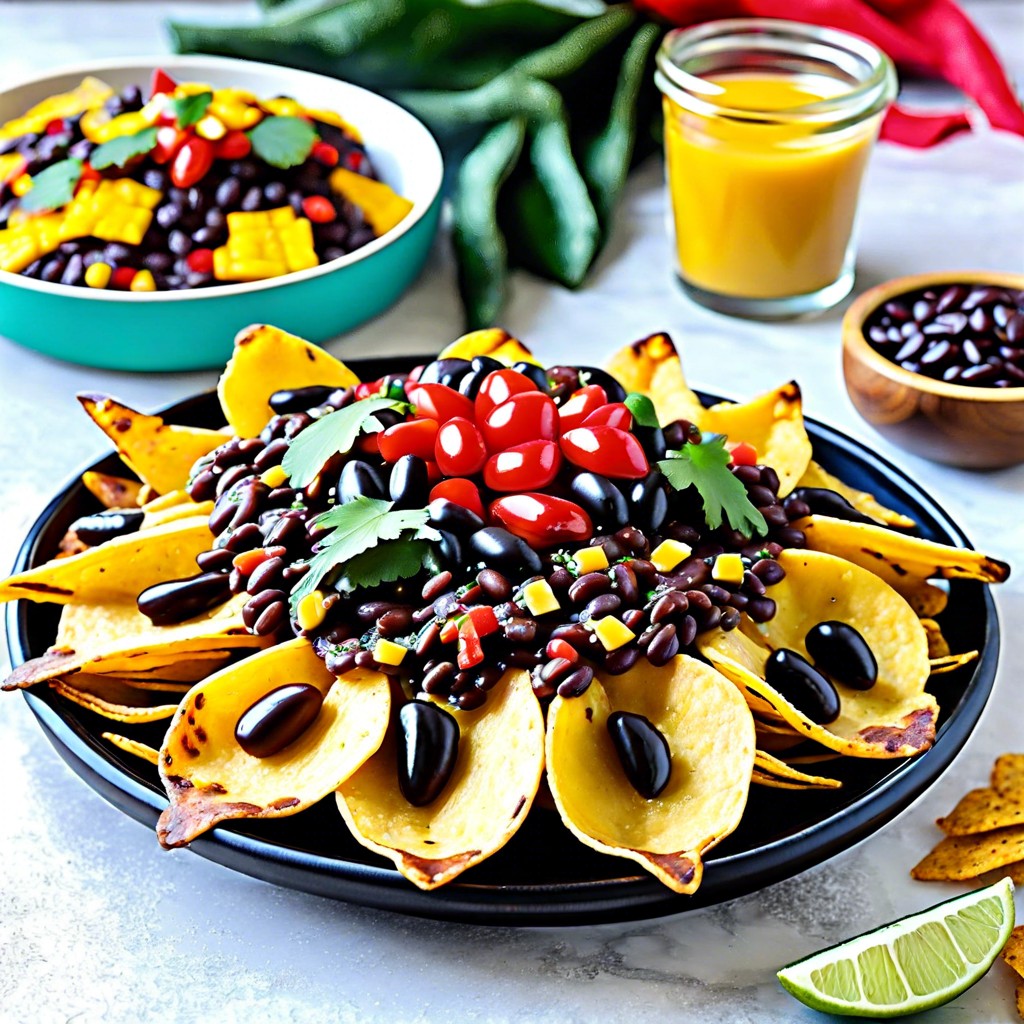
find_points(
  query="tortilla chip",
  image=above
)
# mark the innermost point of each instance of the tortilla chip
(767, 765)
(266, 360)
(960, 857)
(171, 506)
(817, 476)
(491, 341)
(117, 712)
(177, 676)
(1020, 999)
(116, 570)
(895, 718)
(1008, 775)
(774, 424)
(133, 747)
(1013, 951)
(210, 778)
(982, 810)
(759, 778)
(710, 734)
(496, 776)
(112, 491)
(937, 645)
(160, 454)
(951, 662)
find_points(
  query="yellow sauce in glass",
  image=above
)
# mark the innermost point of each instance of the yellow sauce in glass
(763, 208)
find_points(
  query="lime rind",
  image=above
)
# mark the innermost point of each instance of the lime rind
(910, 965)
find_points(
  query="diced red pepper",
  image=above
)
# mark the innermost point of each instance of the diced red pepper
(743, 454)
(354, 160)
(485, 622)
(324, 153)
(57, 126)
(161, 82)
(450, 630)
(471, 651)
(439, 402)
(234, 146)
(89, 173)
(200, 261)
(168, 141)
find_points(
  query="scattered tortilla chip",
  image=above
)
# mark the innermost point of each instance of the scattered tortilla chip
(766, 779)
(982, 810)
(961, 857)
(937, 645)
(133, 747)
(951, 662)
(116, 570)
(1008, 775)
(116, 712)
(171, 506)
(112, 491)
(817, 476)
(499, 767)
(266, 360)
(774, 424)
(210, 778)
(1020, 999)
(178, 676)
(767, 765)
(491, 341)
(161, 454)
(1013, 951)
(710, 734)
(896, 717)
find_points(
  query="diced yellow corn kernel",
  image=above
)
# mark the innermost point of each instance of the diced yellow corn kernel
(210, 127)
(274, 477)
(143, 282)
(21, 185)
(728, 568)
(98, 275)
(668, 554)
(612, 633)
(114, 210)
(590, 560)
(539, 598)
(266, 243)
(26, 239)
(311, 611)
(386, 652)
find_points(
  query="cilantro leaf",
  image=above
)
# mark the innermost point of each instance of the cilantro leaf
(387, 562)
(117, 152)
(642, 408)
(189, 109)
(282, 141)
(705, 466)
(336, 432)
(53, 187)
(358, 527)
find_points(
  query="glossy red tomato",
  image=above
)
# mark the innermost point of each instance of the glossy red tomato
(461, 492)
(191, 162)
(528, 416)
(579, 405)
(168, 141)
(542, 520)
(234, 146)
(615, 414)
(524, 467)
(743, 454)
(439, 402)
(606, 450)
(161, 82)
(459, 448)
(499, 387)
(416, 437)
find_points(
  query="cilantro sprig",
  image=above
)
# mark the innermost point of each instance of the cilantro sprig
(283, 141)
(117, 152)
(371, 542)
(53, 187)
(188, 110)
(706, 466)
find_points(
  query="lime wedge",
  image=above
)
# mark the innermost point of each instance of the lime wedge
(910, 965)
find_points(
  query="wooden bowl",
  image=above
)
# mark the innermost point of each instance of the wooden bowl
(972, 427)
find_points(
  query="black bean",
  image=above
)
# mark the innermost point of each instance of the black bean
(471, 699)
(395, 622)
(427, 636)
(444, 371)
(719, 595)
(643, 752)
(428, 751)
(588, 586)
(228, 192)
(266, 576)
(520, 631)
(634, 541)
(598, 607)
(437, 679)
(792, 676)
(840, 650)
(687, 631)
(768, 571)
(601, 500)
(761, 609)
(252, 200)
(554, 669)
(217, 560)
(275, 192)
(494, 585)
(495, 547)
(52, 269)
(621, 660)
(448, 515)
(576, 682)
(669, 605)
(278, 719)
(664, 646)
(730, 619)
(111, 522)
(177, 600)
(624, 583)
(748, 475)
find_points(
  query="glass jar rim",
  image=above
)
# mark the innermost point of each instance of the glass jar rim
(867, 96)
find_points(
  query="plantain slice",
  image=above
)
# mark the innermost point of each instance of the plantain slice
(116, 570)
(160, 454)
(266, 360)
(210, 778)
(817, 476)
(895, 718)
(710, 735)
(496, 777)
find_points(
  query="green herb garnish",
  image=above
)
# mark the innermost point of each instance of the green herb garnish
(283, 141)
(117, 152)
(54, 187)
(642, 408)
(389, 561)
(188, 110)
(706, 467)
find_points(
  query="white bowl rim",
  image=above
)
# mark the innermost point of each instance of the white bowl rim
(434, 177)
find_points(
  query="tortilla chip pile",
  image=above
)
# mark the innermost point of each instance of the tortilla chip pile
(725, 727)
(1013, 955)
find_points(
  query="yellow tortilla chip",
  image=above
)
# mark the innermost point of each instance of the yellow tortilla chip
(982, 810)
(951, 662)
(171, 506)
(710, 735)
(487, 798)
(767, 765)
(210, 778)
(817, 476)
(117, 570)
(1008, 775)
(266, 360)
(161, 454)
(895, 718)
(176, 677)
(112, 491)
(88, 699)
(133, 747)
(1013, 951)
(490, 341)
(766, 779)
(960, 857)
(937, 646)
(382, 206)
(1020, 999)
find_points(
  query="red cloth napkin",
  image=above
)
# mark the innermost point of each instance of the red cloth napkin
(933, 37)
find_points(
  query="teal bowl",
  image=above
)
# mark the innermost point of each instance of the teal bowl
(194, 330)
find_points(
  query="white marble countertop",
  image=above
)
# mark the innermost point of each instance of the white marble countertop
(98, 925)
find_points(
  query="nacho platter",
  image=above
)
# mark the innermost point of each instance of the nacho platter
(569, 884)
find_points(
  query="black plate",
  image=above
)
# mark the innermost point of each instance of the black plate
(544, 875)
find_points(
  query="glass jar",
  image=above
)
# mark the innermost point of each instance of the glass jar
(768, 128)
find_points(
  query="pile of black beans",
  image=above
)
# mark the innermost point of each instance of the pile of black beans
(961, 334)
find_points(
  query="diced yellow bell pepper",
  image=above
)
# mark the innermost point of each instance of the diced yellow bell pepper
(264, 244)
(539, 598)
(118, 210)
(386, 652)
(590, 559)
(311, 611)
(668, 554)
(728, 568)
(28, 240)
(382, 206)
(612, 633)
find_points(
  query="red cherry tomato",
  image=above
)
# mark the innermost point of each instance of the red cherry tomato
(459, 448)
(542, 520)
(57, 126)
(743, 454)
(527, 416)
(168, 141)
(525, 467)
(439, 402)
(235, 145)
(319, 209)
(191, 162)
(200, 261)
(461, 492)
(615, 414)
(561, 649)
(499, 387)
(416, 437)
(579, 405)
(324, 153)
(122, 278)
(606, 450)
(161, 82)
